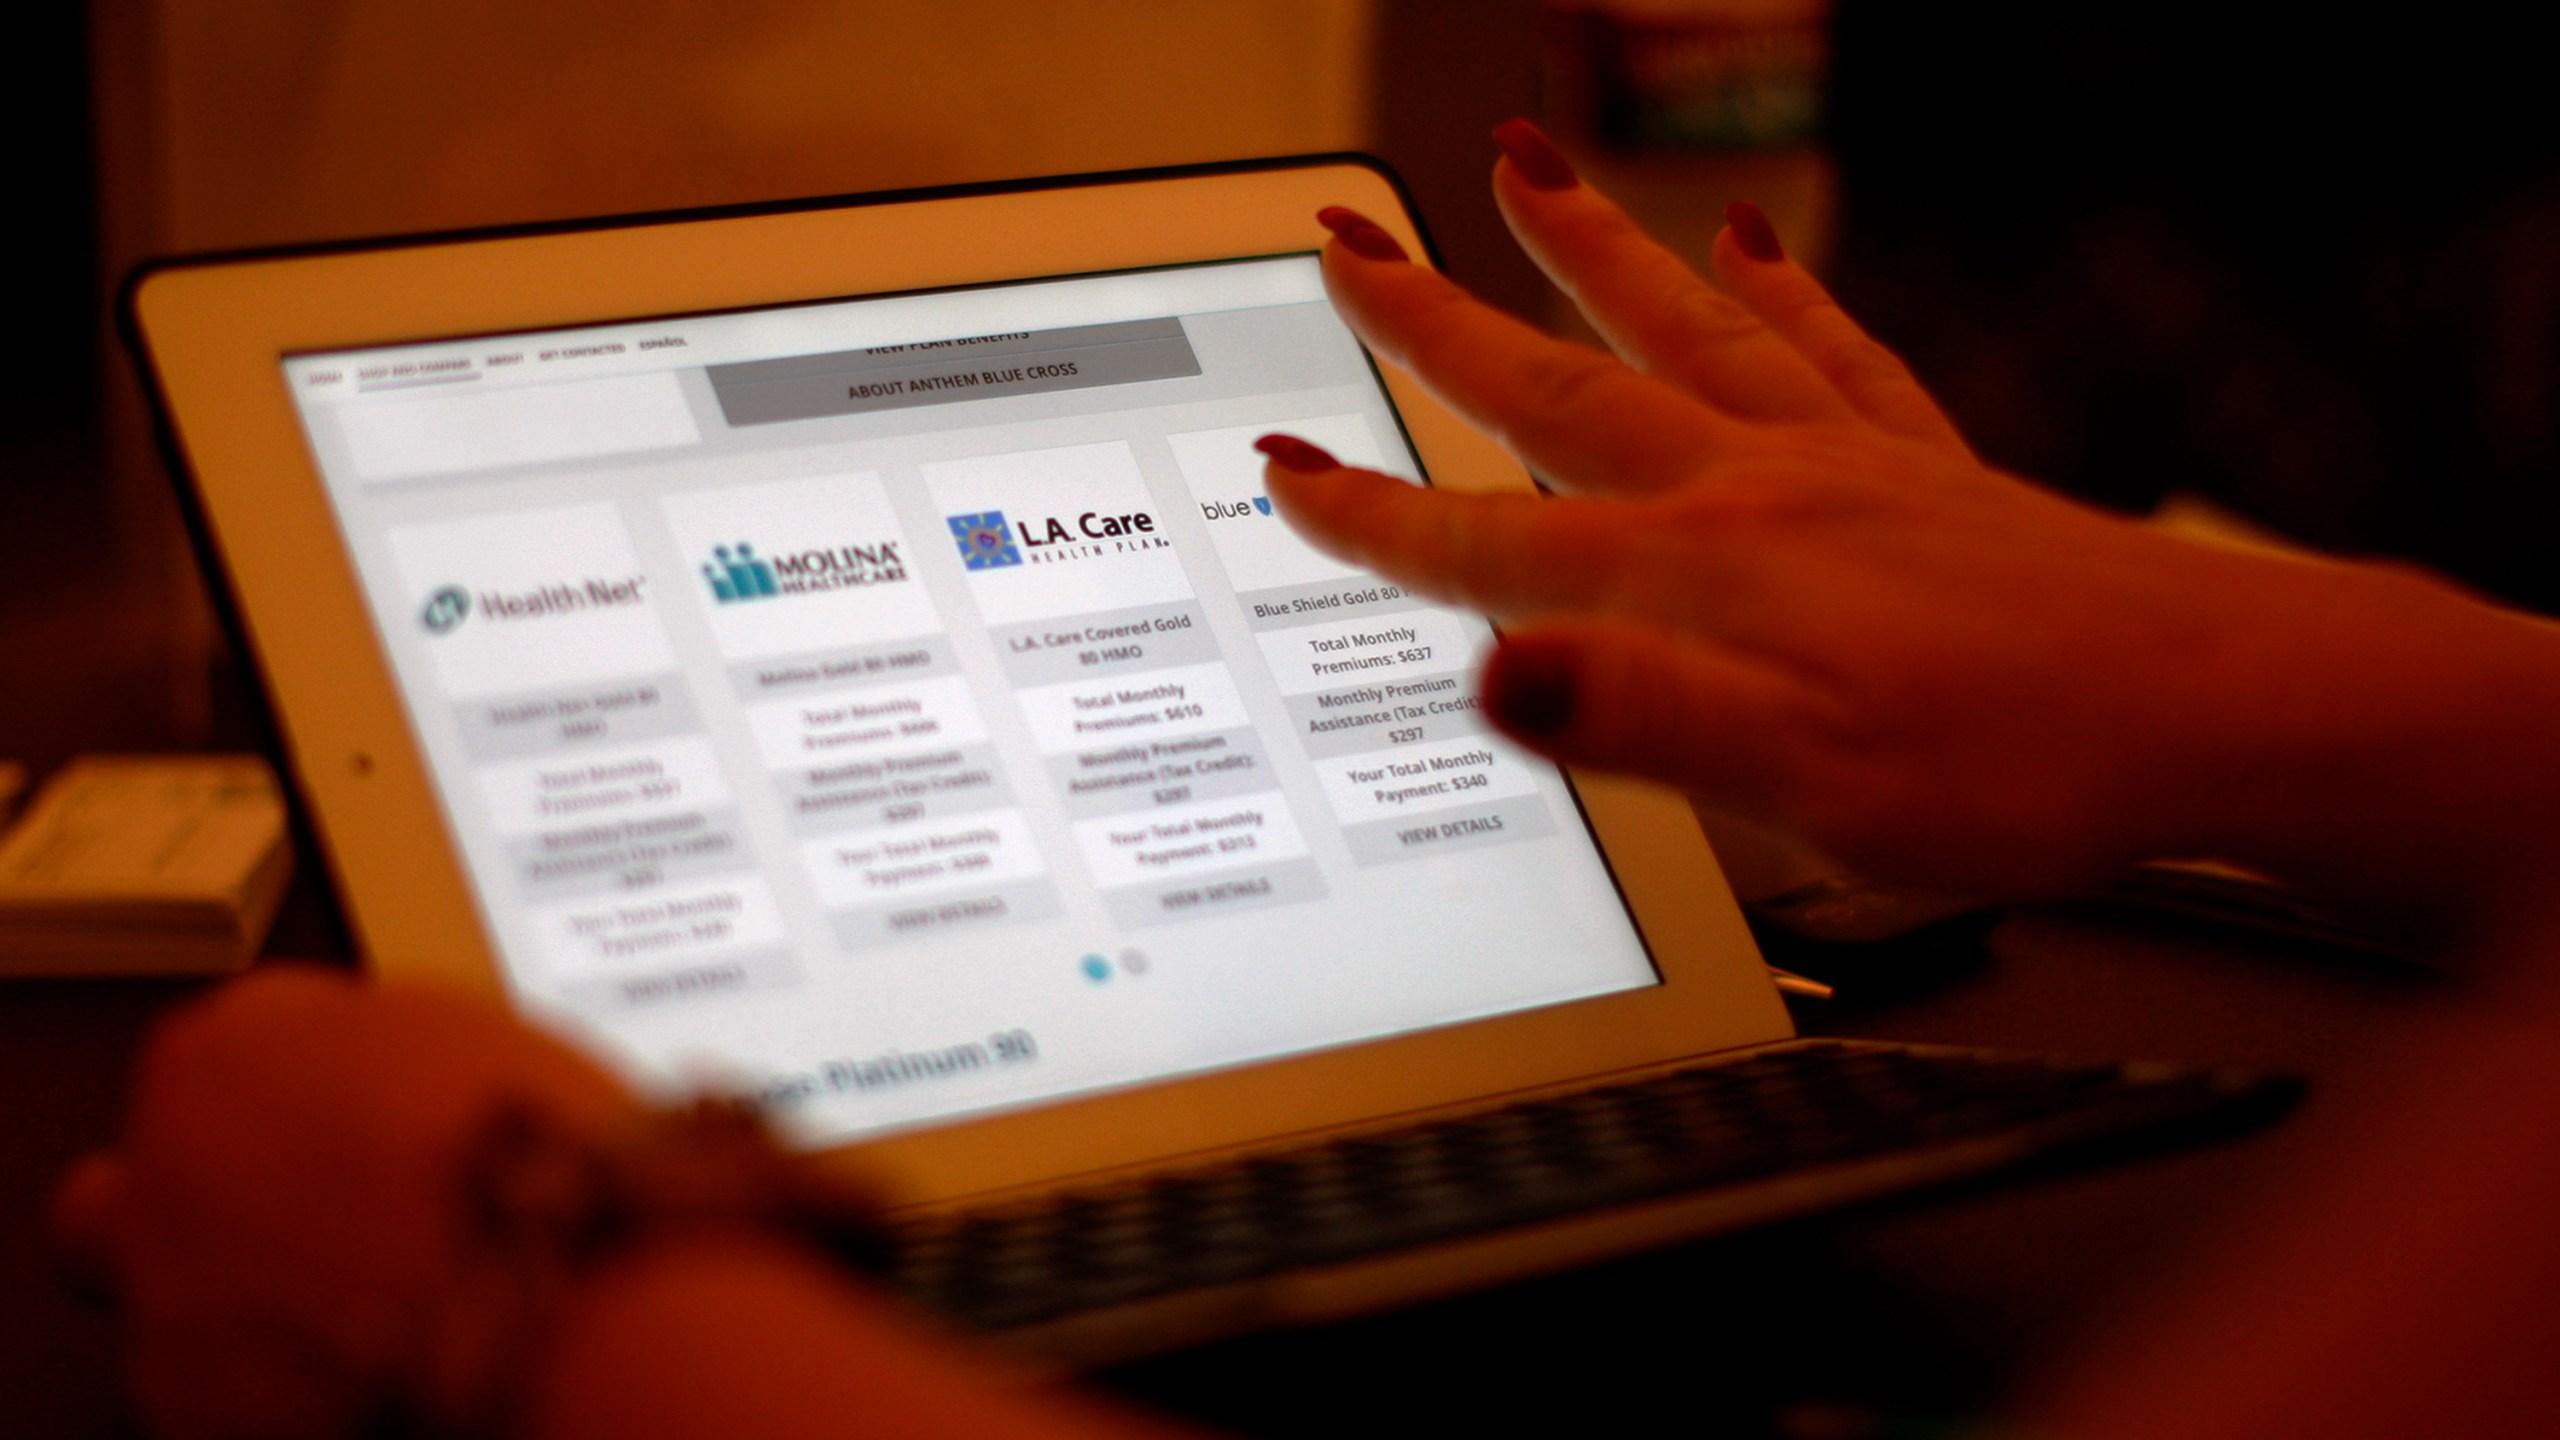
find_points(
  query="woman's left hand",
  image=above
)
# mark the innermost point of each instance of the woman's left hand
(283, 1217)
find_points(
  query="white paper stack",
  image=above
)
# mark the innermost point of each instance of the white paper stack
(144, 865)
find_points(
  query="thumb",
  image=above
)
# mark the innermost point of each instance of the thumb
(1621, 696)
(87, 1222)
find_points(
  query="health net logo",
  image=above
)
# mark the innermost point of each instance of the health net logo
(736, 573)
(448, 607)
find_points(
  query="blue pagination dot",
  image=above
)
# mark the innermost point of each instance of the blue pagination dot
(1096, 969)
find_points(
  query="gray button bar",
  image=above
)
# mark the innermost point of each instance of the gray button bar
(1144, 774)
(725, 976)
(1476, 826)
(628, 854)
(917, 659)
(880, 924)
(1111, 642)
(608, 712)
(1383, 714)
(1285, 883)
(987, 367)
(895, 789)
(1284, 606)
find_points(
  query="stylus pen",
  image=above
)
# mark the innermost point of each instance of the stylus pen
(1791, 983)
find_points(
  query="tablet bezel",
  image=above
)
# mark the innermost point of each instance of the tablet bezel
(212, 334)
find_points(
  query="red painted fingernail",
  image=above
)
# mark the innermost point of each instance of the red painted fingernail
(1535, 156)
(1293, 453)
(1750, 226)
(1529, 690)
(1360, 233)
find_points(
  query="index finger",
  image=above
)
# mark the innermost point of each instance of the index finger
(1577, 417)
(1646, 301)
(1794, 305)
(1498, 554)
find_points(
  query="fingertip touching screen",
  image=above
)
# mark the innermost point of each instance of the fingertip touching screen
(911, 707)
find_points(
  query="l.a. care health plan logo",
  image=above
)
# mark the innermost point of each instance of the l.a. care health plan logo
(985, 540)
(988, 542)
(446, 608)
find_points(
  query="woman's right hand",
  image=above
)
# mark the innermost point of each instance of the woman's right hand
(1780, 579)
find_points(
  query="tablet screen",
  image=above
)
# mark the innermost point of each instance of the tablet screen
(911, 706)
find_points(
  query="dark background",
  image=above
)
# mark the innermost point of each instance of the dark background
(49, 355)
(2306, 263)
(2305, 266)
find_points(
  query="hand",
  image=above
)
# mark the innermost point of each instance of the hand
(284, 1207)
(1780, 579)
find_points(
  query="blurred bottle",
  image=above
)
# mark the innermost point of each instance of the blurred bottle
(1678, 107)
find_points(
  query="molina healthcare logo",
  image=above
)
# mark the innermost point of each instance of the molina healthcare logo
(1234, 509)
(449, 606)
(736, 573)
(985, 540)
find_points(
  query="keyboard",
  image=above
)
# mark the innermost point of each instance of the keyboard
(1718, 1124)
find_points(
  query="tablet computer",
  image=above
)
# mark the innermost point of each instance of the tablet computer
(843, 652)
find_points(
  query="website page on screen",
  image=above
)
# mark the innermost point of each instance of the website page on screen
(911, 707)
